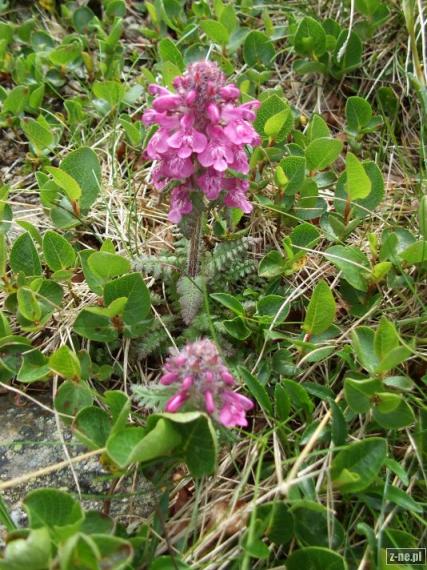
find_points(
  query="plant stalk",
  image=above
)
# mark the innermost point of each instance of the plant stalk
(194, 249)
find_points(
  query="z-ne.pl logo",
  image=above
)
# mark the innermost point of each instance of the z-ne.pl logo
(406, 556)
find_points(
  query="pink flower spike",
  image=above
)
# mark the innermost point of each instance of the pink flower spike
(204, 384)
(209, 402)
(203, 132)
(176, 402)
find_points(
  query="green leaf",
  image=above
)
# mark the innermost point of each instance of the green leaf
(83, 165)
(358, 182)
(278, 520)
(386, 338)
(28, 305)
(317, 129)
(92, 426)
(422, 216)
(169, 52)
(352, 262)
(398, 417)
(363, 343)
(54, 509)
(358, 113)
(116, 553)
(258, 49)
(65, 54)
(14, 103)
(257, 390)
(358, 393)
(215, 31)
(108, 265)
(365, 206)
(282, 404)
(274, 124)
(322, 152)
(294, 169)
(73, 397)
(33, 368)
(271, 265)
(40, 137)
(32, 552)
(402, 499)
(230, 302)
(357, 466)
(352, 56)
(138, 303)
(237, 328)
(70, 186)
(58, 252)
(270, 107)
(189, 436)
(301, 401)
(112, 92)
(393, 358)
(339, 426)
(320, 311)
(310, 38)
(65, 363)
(272, 308)
(315, 526)
(161, 441)
(228, 18)
(315, 558)
(24, 257)
(3, 255)
(93, 326)
(415, 253)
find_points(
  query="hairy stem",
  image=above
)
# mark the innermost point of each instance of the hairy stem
(194, 249)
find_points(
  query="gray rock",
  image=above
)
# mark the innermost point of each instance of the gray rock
(29, 441)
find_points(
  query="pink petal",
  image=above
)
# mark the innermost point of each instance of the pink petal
(209, 402)
(176, 402)
(199, 141)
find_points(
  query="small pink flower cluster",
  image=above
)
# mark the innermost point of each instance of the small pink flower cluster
(202, 134)
(205, 383)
